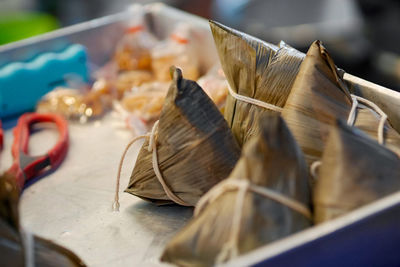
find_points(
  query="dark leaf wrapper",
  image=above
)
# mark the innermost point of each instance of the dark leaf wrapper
(355, 170)
(195, 147)
(319, 96)
(270, 159)
(255, 69)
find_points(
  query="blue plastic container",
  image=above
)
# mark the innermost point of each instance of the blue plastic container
(22, 84)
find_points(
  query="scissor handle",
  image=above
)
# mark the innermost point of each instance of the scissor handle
(1, 136)
(26, 166)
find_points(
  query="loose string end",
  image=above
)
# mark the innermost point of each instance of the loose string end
(115, 205)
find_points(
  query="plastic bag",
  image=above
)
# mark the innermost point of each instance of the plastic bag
(128, 79)
(215, 85)
(178, 50)
(141, 107)
(75, 104)
(146, 101)
(133, 51)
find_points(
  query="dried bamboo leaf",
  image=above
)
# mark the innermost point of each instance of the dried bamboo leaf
(270, 160)
(319, 96)
(355, 170)
(12, 250)
(255, 69)
(195, 147)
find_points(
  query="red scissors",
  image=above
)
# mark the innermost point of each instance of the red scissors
(1, 136)
(24, 166)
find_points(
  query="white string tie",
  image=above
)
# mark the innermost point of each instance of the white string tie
(314, 168)
(230, 248)
(253, 101)
(351, 120)
(152, 147)
(352, 115)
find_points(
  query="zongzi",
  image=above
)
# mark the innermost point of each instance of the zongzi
(195, 148)
(257, 70)
(355, 170)
(266, 197)
(19, 248)
(319, 96)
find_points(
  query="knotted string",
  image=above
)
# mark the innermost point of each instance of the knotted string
(230, 248)
(115, 206)
(152, 147)
(351, 120)
(253, 101)
(352, 115)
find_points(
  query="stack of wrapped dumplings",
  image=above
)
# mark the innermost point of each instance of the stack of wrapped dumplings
(295, 147)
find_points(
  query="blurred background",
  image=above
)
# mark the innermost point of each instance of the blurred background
(363, 36)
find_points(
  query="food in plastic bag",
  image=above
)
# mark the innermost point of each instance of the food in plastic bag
(141, 106)
(133, 50)
(129, 79)
(215, 85)
(62, 100)
(177, 50)
(75, 104)
(146, 101)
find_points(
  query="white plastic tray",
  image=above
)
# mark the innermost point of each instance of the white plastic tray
(72, 205)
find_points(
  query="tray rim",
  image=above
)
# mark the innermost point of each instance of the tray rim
(295, 240)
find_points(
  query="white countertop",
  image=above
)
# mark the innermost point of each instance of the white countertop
(72, 206)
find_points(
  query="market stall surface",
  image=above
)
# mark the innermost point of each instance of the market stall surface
(72, 205)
